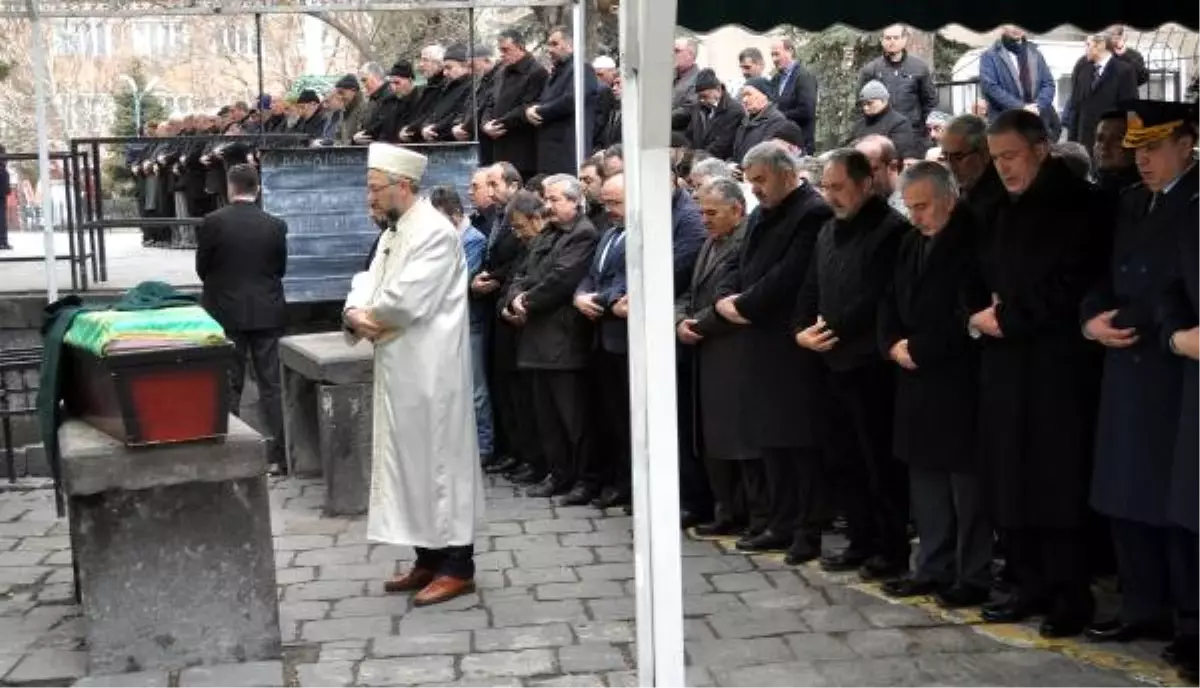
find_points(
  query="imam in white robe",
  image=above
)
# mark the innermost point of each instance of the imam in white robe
(426, 482)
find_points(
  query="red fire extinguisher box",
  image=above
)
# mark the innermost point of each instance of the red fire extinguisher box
(151, 396)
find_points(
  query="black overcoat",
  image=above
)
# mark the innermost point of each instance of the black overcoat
(517, 87)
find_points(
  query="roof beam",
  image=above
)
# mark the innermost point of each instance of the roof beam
(60, 9)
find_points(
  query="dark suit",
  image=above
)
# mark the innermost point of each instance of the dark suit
(556, 106)
(1091, 98)
(241, 257)
(798, 101)
(517, 87)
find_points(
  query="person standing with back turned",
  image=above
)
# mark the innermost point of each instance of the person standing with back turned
(241, 257)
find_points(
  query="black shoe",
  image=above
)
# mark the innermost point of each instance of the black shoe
(528, 475)
(802, 551)
(840, 525)
(1181, 650)
(579, 495)
(1117, 631)
(502, 464)
(610, 497)
(717, 529)
(548, 488)
(687, 519)
(961, 596)
(765, 541)
(1012, 610)
(911, 587)
(1062, 626)
(847, 560)
(880, 567)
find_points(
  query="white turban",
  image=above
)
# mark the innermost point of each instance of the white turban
(604, 62)
(396, 160)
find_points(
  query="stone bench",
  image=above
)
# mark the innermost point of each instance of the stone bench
(172, 544)
(327, 401)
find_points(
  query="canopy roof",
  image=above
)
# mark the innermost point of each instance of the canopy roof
(1038, 16)
(139, 8)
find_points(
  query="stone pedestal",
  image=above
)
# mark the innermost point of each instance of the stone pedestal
(173, 550)
(327, 399)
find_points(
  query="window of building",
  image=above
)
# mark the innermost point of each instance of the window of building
(237, 39)
(86, 114)
(159, 37)
(82, 37)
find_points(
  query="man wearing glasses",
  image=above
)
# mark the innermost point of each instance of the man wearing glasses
(965, 152)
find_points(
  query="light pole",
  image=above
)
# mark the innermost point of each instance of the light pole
(138, 95)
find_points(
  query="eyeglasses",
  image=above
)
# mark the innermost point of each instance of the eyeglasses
(957, 157)
(377, 188)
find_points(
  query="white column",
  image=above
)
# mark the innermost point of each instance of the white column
(646, 66)
(314, 46)
(583, 139)
(41, 77)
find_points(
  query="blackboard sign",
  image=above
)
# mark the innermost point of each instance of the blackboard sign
(322, 195)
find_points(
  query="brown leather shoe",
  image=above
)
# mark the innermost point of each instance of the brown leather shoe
(442, 589)
(413, 580)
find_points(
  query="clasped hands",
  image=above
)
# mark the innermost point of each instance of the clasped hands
(364, 325)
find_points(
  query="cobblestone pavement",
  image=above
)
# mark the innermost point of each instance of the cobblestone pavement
(555, 607)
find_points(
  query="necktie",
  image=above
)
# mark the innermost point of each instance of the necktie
(1154, 201)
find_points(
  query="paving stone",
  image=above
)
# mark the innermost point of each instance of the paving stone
(811, 646)
(351, 554)
(728, 654)
(573, 681)
(957, 639)
(342, 629)
(322, 674)
(834, 619)
(699, 548)
(456, 643)
(479, 683)
(840, 595)
(304, 611)
(61, 574)
(29, 557)
(323, 590)
(884, 671)
(495, 561)
(517, 613)
(782, 599)
(292, 575)
(605, 632)
(779, 674)
(622, 679)
(581, 659)
(894, 615)
(26, 528)
(377, 571)
(284, 559)
(712, 603)
(41, 544)
(523, 637)
(559, 525)
(490, 580)
(522, 542)
(409, 671)
(697, 630)
(384, 553)
(697, 677)
(520, 663)
(503, 528)
(579, 591)
(613, 610)
(880, 642)
(340, 652)
(756, 624)
(23, 575)
(601, 538)
(463, 602)
(303, 542)
(390, 605)
(521, 577)
(605, 572)
(624, 523)
(49, 667)
(141, 679)
(547, 558)
(716, 564)
(248, 674)
(614, 554)
(434, 620)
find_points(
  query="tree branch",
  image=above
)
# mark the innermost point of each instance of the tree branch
(363, 47)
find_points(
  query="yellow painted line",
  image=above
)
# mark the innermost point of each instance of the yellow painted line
(1015, 635)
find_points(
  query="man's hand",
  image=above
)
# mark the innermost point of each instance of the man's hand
(900, 355)
(361, 138)
(586, 304)
(494, 129)
(817, 337)
(429, 133)
(363, 325)
(1100, 328)
(1187, 343)
(727, 308)
(406, 134)
(460, 132)
(520, 306)
(985, 321)
(531, 114)
(686, 334)
(620, 307)
(484, 283)
(511, 317)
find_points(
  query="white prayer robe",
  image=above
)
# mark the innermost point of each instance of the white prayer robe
(426, 482)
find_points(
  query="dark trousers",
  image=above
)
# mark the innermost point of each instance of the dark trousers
(954, 530)
(3, 218)
(695, 495)
(795, 491)
(613, 452)
(261, 348)
(560, 400)
(739, 492)
(1051, 568)
(526, 442)
(457, 561)
(872, 484)
(1157, 566)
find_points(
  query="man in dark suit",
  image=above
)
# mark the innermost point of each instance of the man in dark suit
(795, 90)
(241, 257)
(554, 112)
(1100, 81)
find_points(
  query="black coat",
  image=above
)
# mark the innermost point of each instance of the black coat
(755, 129)
(851, 269)
(894, 125)
(798, 102)
(485, 90)
(449, 109)
(608, 125)
(1141, 388)
(517, 87)
(986, 193)
(715, 129)
(1090, 99)
(556, 105)
(936, 404)
(556, 336)
(425, 98)
(718, 379)
(767, 272)
(241, 258)
(1179, 312)
(505, 255)
(385, 115)
(1039, 383)
(606, 104)
(910, 85)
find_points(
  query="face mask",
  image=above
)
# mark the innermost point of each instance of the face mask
(1010, 42)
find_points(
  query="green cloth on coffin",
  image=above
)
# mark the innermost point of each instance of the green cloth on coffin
(95, 331)
(60, 315)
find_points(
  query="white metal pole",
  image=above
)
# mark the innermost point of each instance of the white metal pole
(583, 139)
(41, 78)
(646, 68)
